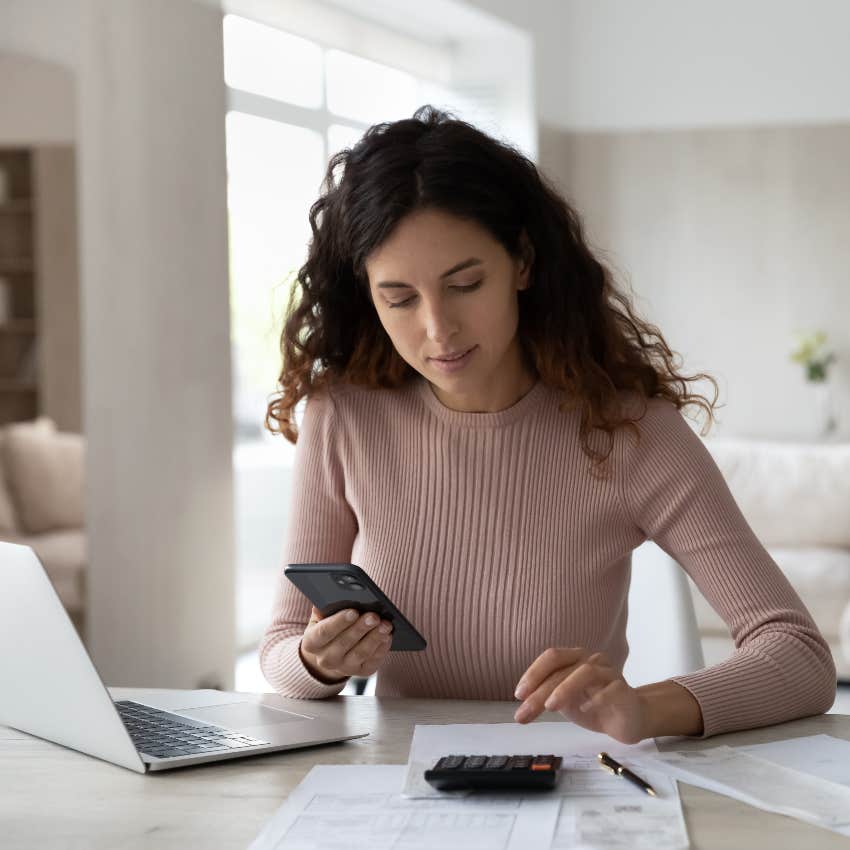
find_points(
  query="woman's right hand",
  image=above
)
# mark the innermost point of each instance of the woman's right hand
(345, 644)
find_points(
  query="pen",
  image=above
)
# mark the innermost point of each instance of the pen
(616, 768)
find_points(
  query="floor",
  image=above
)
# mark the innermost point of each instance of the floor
(249, 677)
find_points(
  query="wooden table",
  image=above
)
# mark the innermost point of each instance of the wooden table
(52, 797)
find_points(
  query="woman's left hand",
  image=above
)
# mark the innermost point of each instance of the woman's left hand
(586, 689)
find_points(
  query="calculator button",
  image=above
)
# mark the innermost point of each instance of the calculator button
(475, 762)
(449, 762)
(541, 766)
(496, 762)
(521, 762)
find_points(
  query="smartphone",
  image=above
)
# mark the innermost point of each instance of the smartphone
(333, 587)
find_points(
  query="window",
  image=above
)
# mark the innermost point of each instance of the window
(268, 62)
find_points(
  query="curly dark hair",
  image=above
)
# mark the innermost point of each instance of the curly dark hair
(576, 329)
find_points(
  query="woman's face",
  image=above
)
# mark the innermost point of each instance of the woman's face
(443, 285)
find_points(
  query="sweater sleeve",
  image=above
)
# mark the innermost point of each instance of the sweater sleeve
(321, 529)
(782, 667)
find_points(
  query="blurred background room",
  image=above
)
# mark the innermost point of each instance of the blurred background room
(158, 159)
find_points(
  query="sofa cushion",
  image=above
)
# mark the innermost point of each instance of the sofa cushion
(8, 518)
(64, 555)
(791, 494)
(44, 472)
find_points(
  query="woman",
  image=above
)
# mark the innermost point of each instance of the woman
(490, 431)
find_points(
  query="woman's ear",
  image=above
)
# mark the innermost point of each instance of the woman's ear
(526, 262)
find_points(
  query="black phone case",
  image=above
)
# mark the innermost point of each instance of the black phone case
(332, 587)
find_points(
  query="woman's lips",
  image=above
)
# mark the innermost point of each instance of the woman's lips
(456, 357)
(456, 364)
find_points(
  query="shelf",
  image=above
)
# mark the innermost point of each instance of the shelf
(16, 206)
(18, 326)
(16, 265)
(10, 385)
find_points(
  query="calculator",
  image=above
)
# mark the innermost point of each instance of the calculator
(480, 773)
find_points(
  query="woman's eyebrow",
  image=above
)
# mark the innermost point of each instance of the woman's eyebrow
(472, 261)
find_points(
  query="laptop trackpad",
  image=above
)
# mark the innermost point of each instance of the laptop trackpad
(242, 714)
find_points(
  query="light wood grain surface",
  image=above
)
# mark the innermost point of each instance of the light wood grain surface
(52, 797)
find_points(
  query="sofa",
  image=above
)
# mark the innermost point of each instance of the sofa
(41, 503)
(796, 498)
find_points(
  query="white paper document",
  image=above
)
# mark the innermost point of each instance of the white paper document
(338, 807)
(599, 810)
(345, 806)
(761, 783)
(819, 755)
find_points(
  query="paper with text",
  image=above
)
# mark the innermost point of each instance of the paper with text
(344, 806)
(337, 807)
(819, 755)
(760, 783)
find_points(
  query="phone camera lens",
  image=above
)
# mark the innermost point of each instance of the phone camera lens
(355, 586)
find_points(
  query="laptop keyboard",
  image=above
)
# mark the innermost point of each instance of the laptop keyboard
(165, 735)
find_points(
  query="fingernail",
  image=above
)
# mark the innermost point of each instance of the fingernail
(371, 619)
(585, 706)
(549, 704)
(523, 713)
(521, 690)
(385, 628)
(351, 616)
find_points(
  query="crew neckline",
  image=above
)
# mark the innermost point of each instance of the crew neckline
(471, 419)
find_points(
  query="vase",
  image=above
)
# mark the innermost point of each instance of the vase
(826, 421)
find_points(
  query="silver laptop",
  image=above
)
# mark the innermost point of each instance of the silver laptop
(51, 689)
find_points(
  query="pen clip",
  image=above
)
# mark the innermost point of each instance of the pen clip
(608, 763)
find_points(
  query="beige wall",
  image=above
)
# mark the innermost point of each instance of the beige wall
(37, 100)
(732, 239)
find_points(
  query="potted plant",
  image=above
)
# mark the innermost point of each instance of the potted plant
(812, 354)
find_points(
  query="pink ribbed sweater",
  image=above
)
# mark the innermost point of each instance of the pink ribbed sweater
(489, 533)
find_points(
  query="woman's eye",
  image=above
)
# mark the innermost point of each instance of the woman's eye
(407, 301)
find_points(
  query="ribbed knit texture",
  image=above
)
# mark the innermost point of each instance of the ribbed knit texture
(489, 533)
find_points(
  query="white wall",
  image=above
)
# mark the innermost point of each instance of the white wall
(618, 64)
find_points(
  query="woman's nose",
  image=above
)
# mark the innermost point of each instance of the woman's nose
(440, 325)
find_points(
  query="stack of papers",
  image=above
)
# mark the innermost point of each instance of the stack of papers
(818, 755)
(390, 806)
(767, 783)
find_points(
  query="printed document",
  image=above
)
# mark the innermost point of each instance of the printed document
(337, 807)
(819, 755)
(606, 811)
(345, 806)
(760, 783)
